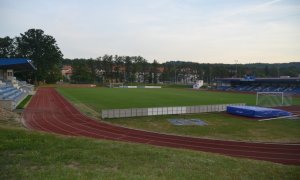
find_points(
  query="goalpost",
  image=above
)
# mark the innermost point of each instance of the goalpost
(115, 85)
(272, 99)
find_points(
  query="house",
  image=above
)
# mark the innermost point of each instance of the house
(67, 72)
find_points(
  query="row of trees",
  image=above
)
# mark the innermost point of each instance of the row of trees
(137, 69)
(43, 50)
(113, 69)
(40, 48)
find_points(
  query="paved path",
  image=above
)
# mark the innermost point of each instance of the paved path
(49, 111)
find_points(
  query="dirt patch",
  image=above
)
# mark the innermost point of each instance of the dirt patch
(77, 85)
(9, 118)
(235, 92)
(73, 165)
(295, 110)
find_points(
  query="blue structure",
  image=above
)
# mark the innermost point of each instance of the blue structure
(12, 91)
(10, 65)
(252, 84)
(257, 112)
(16, 64)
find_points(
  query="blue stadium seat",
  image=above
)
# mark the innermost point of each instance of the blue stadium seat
(257, 88)
(16, 96)
(6, 95)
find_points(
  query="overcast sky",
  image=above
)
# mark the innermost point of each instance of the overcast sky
(204, 31)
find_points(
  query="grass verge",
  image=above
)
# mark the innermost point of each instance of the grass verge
(24, 103)
(220, 126)
(34, 155)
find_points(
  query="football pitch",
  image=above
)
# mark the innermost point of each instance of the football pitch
(109, 98)
(220, 125)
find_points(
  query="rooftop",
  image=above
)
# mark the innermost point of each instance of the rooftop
(16, 64)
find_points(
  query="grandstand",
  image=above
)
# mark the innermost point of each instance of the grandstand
(285, 84)
(12, 91)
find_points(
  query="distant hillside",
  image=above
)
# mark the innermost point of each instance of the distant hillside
(280, 65)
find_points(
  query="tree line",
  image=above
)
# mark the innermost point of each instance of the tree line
(114, 68)
(109, 68)
(43, 50)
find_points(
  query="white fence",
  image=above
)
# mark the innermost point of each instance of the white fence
(135, 112)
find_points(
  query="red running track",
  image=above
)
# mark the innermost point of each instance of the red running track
(49, 111)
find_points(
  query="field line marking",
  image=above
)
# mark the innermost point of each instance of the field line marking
(269, 119)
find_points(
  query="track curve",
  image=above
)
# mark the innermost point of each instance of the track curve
(49, 111)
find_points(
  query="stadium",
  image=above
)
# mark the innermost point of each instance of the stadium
(164, 117)
(252, 84)
(149, 89)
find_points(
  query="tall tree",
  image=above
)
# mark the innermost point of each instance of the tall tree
(43, 51)
(128, 69)
(82, 73)
(7, 47)
(119, 65)
(267, 71)
(154, 72)
(107, 64)
(92, 65)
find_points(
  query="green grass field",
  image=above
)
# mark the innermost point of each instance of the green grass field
(34, 155)
(220, 125)
(108, 98)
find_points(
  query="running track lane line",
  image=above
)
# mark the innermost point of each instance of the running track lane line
(50, 112)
